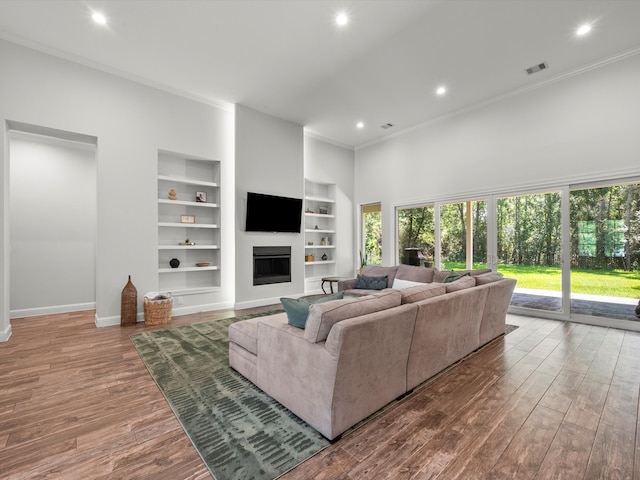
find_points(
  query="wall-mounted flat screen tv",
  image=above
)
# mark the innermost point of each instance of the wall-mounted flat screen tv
(272, 213)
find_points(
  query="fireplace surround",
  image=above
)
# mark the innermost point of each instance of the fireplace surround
(271, 265)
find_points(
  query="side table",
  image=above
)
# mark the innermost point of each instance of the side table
(331, 281)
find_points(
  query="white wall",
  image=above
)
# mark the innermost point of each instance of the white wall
(269, 160)
(328, 163)
(581, 128)
(131, 122)
(53, 225)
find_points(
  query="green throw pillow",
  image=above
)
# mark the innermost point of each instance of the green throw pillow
(297, 309)
(371, 283)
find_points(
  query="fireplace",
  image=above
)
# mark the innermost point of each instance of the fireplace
(271, 265)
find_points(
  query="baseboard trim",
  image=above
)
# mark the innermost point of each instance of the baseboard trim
(5, 334)
(262, 302)
(176, 311)
(35, 312)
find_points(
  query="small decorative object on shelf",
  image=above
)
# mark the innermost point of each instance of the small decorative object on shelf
(203, 264)
(309, 258)
(323, 210)
(309, 243)
(129, 304)
(187, 219)
(201, 197)
(324, 240)
(174, 263)
(324, 256)
(308, 210)
(316, 227)
(187, 243)
(173, 195)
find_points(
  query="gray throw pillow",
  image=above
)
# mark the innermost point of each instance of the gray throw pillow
(453, 276)
(371, 283)
(297, 309)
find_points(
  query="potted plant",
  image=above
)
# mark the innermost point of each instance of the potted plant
(364, 259)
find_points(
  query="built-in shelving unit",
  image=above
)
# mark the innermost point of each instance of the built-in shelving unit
(196, 182)
(319, 233)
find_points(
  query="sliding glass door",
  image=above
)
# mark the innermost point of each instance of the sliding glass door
(605, 251)
(575, 251)
(529, 248)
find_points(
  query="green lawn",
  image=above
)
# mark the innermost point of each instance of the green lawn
(613, 283)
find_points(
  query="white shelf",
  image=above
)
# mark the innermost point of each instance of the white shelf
(192, 291)
(187, 269)
(188, 247)
(321, 262)
(319, 215)
(188, 225)
(319, 199)
(319, 246)
(314, 230)
(189, 204)
(188, 181)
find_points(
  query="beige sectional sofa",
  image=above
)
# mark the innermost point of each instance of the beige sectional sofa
(358, 354)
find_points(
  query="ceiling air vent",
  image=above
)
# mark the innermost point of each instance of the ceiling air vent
(537, 68)
(386, 125)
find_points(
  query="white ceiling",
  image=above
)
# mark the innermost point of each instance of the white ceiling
(288, 58)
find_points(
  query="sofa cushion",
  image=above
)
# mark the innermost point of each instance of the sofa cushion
(399, 283)
(490, 277)
(297, 309)
(422, 292)
(415, 274)
(371, 283)
(322, 316)
(461, 283)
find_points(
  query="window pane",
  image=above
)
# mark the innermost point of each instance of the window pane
(372, 232)
(454, 234)
(416, 235)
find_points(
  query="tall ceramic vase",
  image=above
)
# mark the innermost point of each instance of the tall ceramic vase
(129, 304)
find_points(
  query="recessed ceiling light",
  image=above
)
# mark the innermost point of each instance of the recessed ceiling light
(441, 90)
(359, 125)
(99, 18)
(583, 30)
(342, 19)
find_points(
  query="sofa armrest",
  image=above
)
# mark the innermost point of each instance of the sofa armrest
(346, 284)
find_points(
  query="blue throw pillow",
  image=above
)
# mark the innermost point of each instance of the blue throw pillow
(297, 309)
(371, 283)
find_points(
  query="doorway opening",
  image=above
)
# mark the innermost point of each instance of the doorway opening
(53, 221)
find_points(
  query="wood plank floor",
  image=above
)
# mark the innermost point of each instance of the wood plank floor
(549, 400)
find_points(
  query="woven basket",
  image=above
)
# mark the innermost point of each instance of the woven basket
(157, 312)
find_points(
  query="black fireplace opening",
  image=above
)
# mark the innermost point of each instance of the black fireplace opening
(271, 265)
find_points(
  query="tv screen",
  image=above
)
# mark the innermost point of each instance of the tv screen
(271, 213)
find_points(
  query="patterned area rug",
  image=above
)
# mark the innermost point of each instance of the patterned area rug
(239, 431)
(509, 328)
